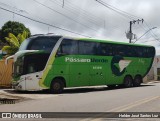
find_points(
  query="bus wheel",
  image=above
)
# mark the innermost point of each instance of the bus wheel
(57, 86)
(128, 81)
(137, 81)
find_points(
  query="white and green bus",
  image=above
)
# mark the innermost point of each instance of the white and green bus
(57, 62)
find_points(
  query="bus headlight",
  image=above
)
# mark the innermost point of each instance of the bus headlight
(19, 87)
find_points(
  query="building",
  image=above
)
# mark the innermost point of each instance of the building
(156, 68)
(154, 73)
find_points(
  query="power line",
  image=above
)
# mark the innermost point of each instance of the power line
(119, 10)
(20, 11)
(43, 22)
(84, 11)
(153, 34)
(74, 7)
(146, 27)
(64, 15)
(125, 14)
(122, 13)
(14, 8)
(75, 11)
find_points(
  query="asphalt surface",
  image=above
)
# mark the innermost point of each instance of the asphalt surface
(94, 99)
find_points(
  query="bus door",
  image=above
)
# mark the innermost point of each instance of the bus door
(78, 70)
(97, 75)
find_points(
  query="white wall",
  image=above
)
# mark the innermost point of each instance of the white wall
(156, 65)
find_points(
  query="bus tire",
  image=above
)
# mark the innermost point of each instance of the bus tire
(137, 81)
(57, 86)
(128, 81)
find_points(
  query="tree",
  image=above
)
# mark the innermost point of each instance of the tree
(14, 42)
(14, 28)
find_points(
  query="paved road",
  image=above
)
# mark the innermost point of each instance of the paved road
(100, 99)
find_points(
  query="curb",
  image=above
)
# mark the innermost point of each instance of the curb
(152, 82)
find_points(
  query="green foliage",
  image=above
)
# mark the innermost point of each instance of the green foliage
(14, 28)
(14, 42)
(9, 49)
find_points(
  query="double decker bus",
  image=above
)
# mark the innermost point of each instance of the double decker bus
(57, 62)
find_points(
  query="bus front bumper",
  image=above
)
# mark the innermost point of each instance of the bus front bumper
(16, 85)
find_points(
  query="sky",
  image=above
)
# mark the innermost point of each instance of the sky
(88, 18)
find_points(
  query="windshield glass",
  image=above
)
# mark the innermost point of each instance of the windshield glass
(24, 44)
(30, 63)
(35, 62)
(18, 67)
(45, 43)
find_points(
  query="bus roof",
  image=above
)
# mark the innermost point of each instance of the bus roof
(112, 42)
(89, 39)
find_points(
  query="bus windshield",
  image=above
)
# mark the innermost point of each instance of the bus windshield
(30, 63)
(35, 62)
(18, 67)
(45, 43)
(25, 44)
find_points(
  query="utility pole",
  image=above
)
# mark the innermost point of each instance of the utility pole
(145, 33)
(130, 31)
(130, 34)
(63, 4)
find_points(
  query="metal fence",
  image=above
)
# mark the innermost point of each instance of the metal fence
(5, 73)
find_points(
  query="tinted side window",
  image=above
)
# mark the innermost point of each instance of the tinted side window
(87, 48)
(140, 51)
(119, 50)
(105, 49)
(145, 52)
(130, 51)
(148, 52)
(43, 43)
(68, 47)
(151, 52)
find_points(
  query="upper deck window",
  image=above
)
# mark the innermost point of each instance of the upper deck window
(68, 47)
(39, 43)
